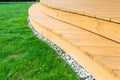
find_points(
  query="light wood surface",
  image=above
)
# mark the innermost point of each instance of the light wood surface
(103, 9)
(117, 72)
(98, 55)
(104, 28)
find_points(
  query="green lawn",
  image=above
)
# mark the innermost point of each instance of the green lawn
(22, 55)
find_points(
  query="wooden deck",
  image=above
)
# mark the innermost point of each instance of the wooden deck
(76, 14)
(103, 9)
(98, 53)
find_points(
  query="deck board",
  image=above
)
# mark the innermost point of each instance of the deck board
(117, 72)
(111, 62)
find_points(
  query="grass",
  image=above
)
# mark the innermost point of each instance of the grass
(22, 55)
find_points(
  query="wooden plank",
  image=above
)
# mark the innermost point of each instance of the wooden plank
(117, 72)
(116, 19)
(102, 50)
(101, 27)
(111, 62)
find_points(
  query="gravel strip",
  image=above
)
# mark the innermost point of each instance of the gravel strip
(79, 70)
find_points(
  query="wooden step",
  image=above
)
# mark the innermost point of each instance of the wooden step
(107, 9)
(98, 55)
(98, 16)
